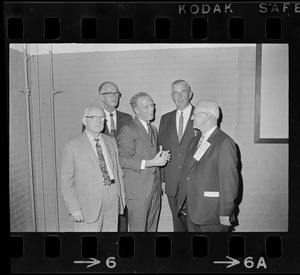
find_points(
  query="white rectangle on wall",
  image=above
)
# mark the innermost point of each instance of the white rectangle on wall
(274, 91)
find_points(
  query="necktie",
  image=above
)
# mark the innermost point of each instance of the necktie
(180, 127)
(106, 179)
(112, 125)
(150, 133)
(200, 141)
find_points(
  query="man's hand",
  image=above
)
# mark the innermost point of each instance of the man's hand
(77, 216)
(161, 158)
(225, 220)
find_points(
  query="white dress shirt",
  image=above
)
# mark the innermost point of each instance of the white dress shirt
(108, 118)
(186, 116)
(208, 133)
(144, 123)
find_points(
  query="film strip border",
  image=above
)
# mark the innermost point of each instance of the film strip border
(151, 22)
(265, 252)
(162, 23)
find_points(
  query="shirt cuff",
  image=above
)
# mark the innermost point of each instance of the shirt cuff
(143, 164)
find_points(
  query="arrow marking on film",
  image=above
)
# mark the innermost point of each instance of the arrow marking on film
(93, 262)
(233, 262)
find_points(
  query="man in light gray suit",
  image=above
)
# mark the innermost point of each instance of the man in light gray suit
(92, 178)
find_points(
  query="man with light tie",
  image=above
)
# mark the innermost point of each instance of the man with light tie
(175, 132)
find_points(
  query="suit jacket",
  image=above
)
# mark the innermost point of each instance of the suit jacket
(210, 185)
(134, 146)
(122, 118)
(171, 173)
(81, 176)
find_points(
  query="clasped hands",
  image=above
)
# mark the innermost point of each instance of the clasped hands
(162, 157)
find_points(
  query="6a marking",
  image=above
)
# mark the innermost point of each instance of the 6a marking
(248, 262)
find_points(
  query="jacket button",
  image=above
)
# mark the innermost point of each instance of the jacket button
(179, 166)
(188, 178)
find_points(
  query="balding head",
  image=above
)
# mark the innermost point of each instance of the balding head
(107, 86)
(205, 115)
(93, 118)
(209, 106)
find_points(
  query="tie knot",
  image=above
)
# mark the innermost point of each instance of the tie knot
(111, 114)
(97, 140)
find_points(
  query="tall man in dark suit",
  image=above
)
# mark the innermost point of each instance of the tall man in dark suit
(140, 160)
(110, 95)
(209, 181)
(175, 132)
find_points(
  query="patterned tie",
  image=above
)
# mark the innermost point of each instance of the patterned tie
(112, 125)
(180, 127)
(106, 179)
(200, 141)
(150, 133)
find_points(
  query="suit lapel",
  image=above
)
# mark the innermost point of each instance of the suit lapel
(189, 125)
(191, 153)
(87, 144)
(142, 129)
(173, 124)
(213, 135)
(194, 147)
(119, 121)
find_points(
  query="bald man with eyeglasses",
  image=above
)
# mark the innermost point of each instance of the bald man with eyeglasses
(92, 178)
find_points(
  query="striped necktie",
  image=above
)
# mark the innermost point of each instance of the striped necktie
(180, 127)
(112, 125)
(106, 178)
(150, 132)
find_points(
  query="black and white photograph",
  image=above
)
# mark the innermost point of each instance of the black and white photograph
(148, 137)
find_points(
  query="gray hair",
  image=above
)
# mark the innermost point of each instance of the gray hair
(134, 99)
(182, 82)
(88, 109)
(210, 107)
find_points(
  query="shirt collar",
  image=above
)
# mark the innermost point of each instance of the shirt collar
(91, 138)
(186, 110)
(209, 132)
(145, 123)
(108, 113)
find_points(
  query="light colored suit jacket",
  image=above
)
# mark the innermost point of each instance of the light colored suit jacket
(81, 176)
(210, 185)
(134, 146)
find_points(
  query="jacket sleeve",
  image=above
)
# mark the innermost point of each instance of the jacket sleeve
(127, 150)
(228, 177)
(161, 142)
(68, 189)
(122, 192)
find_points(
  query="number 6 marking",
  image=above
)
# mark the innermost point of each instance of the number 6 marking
(110, 262)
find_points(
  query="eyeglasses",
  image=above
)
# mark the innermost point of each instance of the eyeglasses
(196, 114)
(111, 94)
(94, 118)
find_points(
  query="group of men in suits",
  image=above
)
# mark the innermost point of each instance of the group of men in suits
(190, 160)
